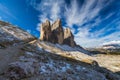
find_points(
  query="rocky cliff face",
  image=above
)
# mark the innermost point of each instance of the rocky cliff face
(45, 31)
(57, 32)
(69, 38)
(54, 33)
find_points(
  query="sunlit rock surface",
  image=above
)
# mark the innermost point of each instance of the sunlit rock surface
(56, 34)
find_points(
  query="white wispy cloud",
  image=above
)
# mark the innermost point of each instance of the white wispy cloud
(38, 27)
(29, 31)
(86, 41)
(48, 9)
(112, 42)
(79, 14)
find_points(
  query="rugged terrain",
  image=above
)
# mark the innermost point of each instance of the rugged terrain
(24, 57)
(111, 48)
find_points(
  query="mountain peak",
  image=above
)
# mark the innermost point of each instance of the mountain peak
(56, 24)
(56, 34)
(47, 21)
(58, 20)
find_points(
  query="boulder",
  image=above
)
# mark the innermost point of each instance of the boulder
(57, 32)
(45, 31)
(69, 38)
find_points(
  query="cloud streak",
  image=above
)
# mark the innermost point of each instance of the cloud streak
(86, 15)
(49, 9)
(112, 42)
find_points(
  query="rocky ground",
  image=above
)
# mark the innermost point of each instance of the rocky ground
(111, 62)
(23, 57)
(39, 60)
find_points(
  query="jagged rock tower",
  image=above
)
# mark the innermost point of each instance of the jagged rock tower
(45, 31)
(54, 33)
(69, 38)
(57, 32)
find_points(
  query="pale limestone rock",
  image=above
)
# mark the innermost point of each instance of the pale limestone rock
(57, 32)
(54, 33)
(69, 38)
(45, 30)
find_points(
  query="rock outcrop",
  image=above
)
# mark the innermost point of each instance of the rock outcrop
(69, 38)
(56, 34)
(45, 31)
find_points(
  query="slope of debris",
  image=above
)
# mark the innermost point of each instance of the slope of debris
(10, 34)
(33, 62)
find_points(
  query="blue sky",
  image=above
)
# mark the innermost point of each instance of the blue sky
(93, 22)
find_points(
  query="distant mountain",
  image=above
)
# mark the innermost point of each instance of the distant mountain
(111, 45)
(24, 57)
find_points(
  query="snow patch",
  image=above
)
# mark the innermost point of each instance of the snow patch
(30, 53)
(47, 50)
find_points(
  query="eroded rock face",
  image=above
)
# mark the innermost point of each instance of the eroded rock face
(54, 33)
(57, 32)
(69, 38)
(45, 30)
